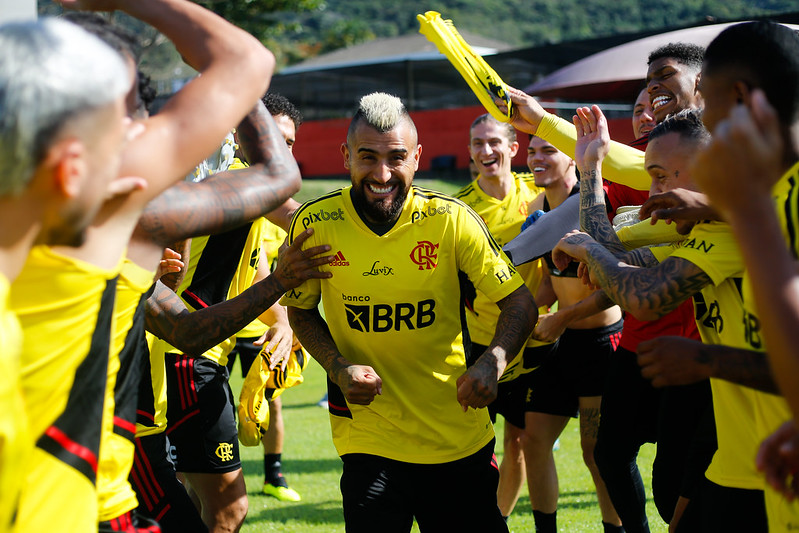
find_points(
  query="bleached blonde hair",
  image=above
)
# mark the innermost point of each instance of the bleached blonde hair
(51, 73)
(381, 111)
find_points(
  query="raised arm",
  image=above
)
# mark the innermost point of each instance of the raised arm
(227, 199)
(593, 145)
(235, 70)
(624, 164)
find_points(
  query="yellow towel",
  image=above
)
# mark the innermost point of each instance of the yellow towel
(485, 83)
(262, 385)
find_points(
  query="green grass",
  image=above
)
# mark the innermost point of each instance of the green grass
(312, 468)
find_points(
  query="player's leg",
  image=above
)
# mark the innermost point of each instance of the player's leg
(628, 418)
(202, 430)
(589, 427)
(161, 496)
(541, 432)
(512, 471)
(550, 403)
(682, 411)
(510, 403)
(275, 484)
(591, 351)
(223, 497)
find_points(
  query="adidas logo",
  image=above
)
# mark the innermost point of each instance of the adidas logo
(339, 261)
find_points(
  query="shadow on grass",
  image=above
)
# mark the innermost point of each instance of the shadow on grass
(566, 500)
(328, 512)
(297, 466)
(302, 406)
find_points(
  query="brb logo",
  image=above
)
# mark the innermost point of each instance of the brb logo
(425, 255)
(322, 216)
(379, 318)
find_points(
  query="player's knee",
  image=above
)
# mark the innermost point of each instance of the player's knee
(512, 440)
(232, 515)
(534, 442)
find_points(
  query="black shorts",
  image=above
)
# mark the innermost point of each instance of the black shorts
(512, 395)
(247, 353)
(577, 370)
(201, 422)
(384, 495)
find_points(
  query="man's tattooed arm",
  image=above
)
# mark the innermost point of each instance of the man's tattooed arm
(227, 199)
(593, 212)
(194, 333)
(518, 314)
(167, 317)
(314, 334)
(648, 293)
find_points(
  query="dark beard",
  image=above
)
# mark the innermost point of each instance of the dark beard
(382, 212)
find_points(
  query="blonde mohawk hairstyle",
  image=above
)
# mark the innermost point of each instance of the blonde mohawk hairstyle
(382, 111)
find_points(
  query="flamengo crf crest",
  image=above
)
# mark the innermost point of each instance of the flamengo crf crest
(425, 255)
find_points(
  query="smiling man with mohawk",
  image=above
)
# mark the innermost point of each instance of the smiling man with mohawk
(407, 416)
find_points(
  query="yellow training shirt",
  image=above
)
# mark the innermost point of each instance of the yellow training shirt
(65, 307)
(115, 495)
(771, 410)
(394, 303)
(15, 442)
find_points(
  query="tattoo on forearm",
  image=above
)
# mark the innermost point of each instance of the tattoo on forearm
(196, 332)
(593, 213)
(228, 199)
(642, 257)
(658, 289)
(314, 334)
(516, 321)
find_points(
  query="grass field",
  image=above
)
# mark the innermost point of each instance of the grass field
(312, 467)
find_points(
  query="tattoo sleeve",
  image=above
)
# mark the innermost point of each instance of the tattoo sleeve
(517, 317)
(648, 293)
(314, 334)
(593, 212)
(228, 199)
(193, 333)
(642, 257)
(744, 367)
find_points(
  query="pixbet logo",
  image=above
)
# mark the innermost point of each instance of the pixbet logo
(425, 255)
(429, 212)
(322, 216)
